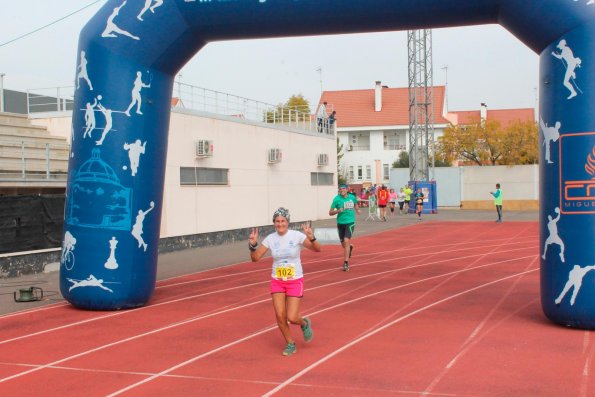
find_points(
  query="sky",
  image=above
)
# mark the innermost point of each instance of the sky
(484, 64)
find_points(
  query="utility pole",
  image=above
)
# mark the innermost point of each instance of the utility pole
(421, 105)
(445, 68)
(319, 70)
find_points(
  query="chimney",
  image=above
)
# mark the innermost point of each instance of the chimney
(483, 112)
(378, 97)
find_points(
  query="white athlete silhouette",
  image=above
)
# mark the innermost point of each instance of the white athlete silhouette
(134, 151)
(112, 30)
(90, 281)
(571, 63)
(111, 262)
(575, 279)
(553, 238)
(68, 246)
(83, 72)
(148, 7)
(107, 113)
(90, 117)
(549, 134)
(137, 229)
(136, 99)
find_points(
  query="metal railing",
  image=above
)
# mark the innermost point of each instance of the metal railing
(28, 162)
(395, 147)
(53, 99)
(196, 98)
(186, 96)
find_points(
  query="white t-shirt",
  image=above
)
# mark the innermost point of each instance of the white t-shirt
(400, 196)
(321, 112)
(285, 251)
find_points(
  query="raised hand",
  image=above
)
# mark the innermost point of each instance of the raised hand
(308, 230)
(253, 239)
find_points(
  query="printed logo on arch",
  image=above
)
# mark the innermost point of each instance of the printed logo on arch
(577, 173)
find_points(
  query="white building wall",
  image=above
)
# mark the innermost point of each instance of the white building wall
(474, 184)
(520, 182)
(362, 158)
(255, 188)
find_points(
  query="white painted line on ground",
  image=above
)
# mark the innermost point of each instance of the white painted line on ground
(366, 336)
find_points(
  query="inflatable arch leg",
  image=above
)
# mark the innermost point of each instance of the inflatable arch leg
(567, 169)
(128, 57)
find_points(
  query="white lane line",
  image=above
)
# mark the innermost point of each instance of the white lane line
(189, 361)
(177, 324)
(334, 256)
(369, 334)
(401, 249)
(584, 388)
(212, 315)
(505, 241)
(473, 339)
(34, 310)
(120, 313)
(184, 322)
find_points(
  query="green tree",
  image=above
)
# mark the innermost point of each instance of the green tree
(487, 142)
(297, 108)
(520, 144)
(403, 160)
(459, 142)
(442, 162)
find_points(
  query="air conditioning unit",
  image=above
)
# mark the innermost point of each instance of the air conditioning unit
(322, 159)
(349, 148)
(204, 148)
(275, 156)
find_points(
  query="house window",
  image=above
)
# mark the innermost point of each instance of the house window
(321, 178)
(386, 172)
(351, 175)
(195, 176)
(360, 141)
(359, 172)
(368, 173)
(393, 140)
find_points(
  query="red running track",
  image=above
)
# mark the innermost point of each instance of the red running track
(434, 309)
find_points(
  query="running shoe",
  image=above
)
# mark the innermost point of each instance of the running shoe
(345, 267)
(307, 330)
(289, 349)
(350, 249)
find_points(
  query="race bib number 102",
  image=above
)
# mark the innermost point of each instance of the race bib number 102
(285, 271)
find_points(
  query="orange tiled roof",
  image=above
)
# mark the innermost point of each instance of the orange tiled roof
(355, 108)
(504, 116)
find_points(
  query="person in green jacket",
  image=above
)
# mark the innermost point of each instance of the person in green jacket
(498, 201)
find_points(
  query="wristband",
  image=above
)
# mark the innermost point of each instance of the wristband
(312, 239)
(251, 247)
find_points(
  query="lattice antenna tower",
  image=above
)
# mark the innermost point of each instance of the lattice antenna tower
(421, 105)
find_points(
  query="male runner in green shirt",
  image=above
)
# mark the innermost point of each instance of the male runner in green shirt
(345, 206)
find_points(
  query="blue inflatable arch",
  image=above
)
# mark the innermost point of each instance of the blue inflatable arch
(131, 50)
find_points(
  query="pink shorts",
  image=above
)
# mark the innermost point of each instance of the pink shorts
(294, 288)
